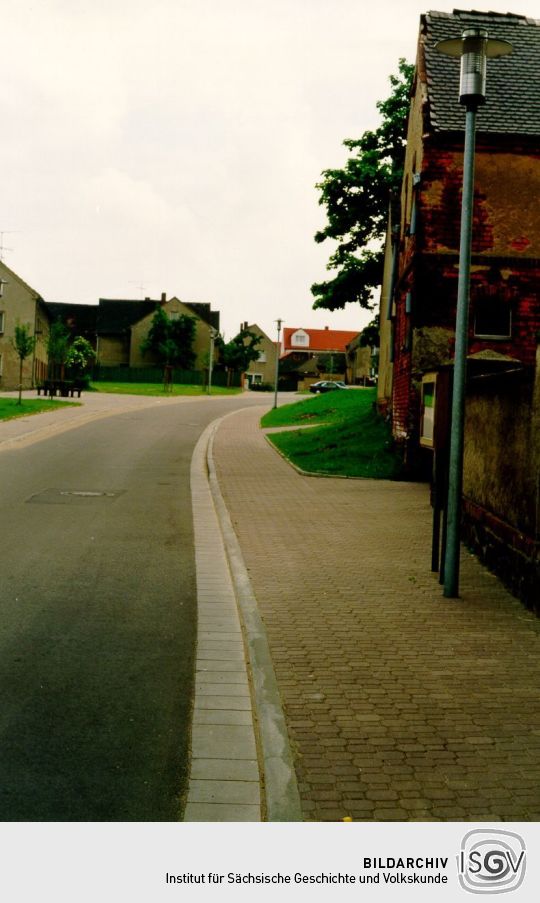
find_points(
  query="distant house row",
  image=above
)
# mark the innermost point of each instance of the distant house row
(307, 355)
(115, 328)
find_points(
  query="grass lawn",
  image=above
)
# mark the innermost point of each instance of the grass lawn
(349, 439)
(157, 389)
(9, 407)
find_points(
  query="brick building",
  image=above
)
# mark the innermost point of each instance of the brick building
(418, 300)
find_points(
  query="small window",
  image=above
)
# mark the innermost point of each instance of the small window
(174, 315)
(2, 283)
(300, 338)
(2, 317)
(262, 357)
(0, 365)
(492, 317)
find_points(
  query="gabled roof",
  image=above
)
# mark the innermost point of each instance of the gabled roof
(319, 339)
(115, 316)
(13, 275)
(513, 82)
(80, 318)
(205, 312)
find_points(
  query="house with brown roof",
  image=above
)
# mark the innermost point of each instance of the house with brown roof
(501, 501)
(116, 327)
(21, 304)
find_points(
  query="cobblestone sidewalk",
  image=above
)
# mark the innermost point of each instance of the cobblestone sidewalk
(400, 704)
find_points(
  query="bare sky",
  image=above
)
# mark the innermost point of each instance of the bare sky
(174, 145)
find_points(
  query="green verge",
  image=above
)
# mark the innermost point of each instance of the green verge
(9, 408)
(347, 437)
(157, 389)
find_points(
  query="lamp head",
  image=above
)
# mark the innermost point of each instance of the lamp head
(474, 47)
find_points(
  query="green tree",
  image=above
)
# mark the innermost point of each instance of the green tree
(369, 337)
(356, 198)
(237, 354)
(79, 356)
(24, 344)
(171, 341)
(57, 349)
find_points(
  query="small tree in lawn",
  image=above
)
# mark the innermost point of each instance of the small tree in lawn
(24, 345)
(237, 354)
(171, 341)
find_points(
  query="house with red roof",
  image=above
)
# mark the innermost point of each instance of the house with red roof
(316, 341)
(311, 354)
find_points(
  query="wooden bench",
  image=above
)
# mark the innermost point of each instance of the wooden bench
(64, 388)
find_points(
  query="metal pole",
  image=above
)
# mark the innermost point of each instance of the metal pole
(211, 360)
(277, 363)
(455, 475)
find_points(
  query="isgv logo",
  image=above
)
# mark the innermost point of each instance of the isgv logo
(491, 862)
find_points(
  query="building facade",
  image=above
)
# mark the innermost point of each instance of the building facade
(419, 294)
(21, 304)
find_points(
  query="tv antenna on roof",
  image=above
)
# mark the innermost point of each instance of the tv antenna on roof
(141, 286)
(2, 246)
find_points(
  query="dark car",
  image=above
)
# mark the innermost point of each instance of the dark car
(326, 385)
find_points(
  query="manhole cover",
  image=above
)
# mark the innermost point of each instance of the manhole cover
(73, 496)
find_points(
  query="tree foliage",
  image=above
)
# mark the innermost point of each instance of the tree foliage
(370, 336)
(356, 198)
(57, 346)
(171, 341)
(240, 351)
(80, 355)
(24, 344)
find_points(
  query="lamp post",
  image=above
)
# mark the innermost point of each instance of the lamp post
(213, 336)
(474, 47)
(277, 362)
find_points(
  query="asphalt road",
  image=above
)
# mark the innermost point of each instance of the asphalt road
(98, 618)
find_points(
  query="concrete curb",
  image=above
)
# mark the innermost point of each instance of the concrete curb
(281, 789)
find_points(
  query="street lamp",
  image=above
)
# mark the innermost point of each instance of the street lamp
(277, 362)
(213, 337)
(474, 47)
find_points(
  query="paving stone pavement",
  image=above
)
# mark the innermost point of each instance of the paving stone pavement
(400, 704)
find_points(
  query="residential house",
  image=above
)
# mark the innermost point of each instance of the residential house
(263, 370)
(117, 327)
(419, 293)
(21, 304)
(315, 353)
(361, 363)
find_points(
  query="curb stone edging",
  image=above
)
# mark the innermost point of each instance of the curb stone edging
(281, 789)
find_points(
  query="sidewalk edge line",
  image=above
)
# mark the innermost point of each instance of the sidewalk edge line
(281, 789)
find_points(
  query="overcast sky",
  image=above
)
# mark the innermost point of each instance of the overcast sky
(174, 145)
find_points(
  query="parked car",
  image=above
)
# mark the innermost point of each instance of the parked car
(326, 385)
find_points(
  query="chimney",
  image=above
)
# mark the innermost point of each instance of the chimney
(163, 297)
(326, 327)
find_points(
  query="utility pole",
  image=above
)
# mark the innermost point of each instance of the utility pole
(213, 337)
(277, 362)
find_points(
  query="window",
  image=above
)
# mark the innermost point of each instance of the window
(492, 316)
(2, 317)
(174, 315)
(2, 283)
(262, 357)
(0, 365)
(300, 338)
